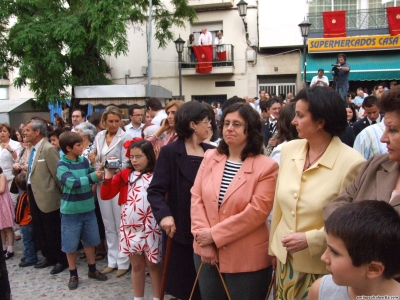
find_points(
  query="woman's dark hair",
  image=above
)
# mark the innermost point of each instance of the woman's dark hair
(369, 230)
(95, 118)
(255, 139)
(352, 106)
(192, 111)
(148, 150)
(324, 103)
(286, 130)
(390, 100)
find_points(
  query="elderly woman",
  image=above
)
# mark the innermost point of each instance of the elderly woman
(169, 192)
(379, 178)
(313, 170)
(109, 144)
(231, 199)
(167, 126)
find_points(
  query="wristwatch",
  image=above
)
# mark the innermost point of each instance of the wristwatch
(12, 150)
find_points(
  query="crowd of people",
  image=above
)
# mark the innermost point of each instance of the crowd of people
(228, 199)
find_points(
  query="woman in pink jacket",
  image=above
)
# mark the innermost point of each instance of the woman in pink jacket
(231, 199)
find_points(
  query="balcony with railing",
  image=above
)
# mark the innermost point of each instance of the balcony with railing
(200, 4)
(218, 66)
(358, 22)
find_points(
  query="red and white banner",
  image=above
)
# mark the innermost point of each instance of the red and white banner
(393, 17)
(204, 55)
(334, 23)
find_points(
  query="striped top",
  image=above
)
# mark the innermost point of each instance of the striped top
(77, 178)
(230, 170)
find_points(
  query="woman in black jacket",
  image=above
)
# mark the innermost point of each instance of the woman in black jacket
(169, 192)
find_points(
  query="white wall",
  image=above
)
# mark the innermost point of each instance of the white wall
(165, 61)
(278, 22)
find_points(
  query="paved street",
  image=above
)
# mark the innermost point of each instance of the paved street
(30, 283)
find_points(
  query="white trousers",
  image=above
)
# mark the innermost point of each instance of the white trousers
(111, 214)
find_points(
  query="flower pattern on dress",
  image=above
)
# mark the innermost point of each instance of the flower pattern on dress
(139, 230)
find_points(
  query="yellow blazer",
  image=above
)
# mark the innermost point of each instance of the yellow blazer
(301, 196)
(239, 227)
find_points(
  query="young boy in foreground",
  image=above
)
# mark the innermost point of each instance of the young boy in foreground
(362, 256)
(78, 218)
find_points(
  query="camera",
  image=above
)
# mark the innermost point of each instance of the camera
(335, 65)
(113, 164)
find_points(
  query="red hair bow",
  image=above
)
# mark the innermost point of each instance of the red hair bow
(127, 144)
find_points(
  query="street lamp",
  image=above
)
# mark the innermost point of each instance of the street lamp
(242, 7)
(305, 30)
(179, 48)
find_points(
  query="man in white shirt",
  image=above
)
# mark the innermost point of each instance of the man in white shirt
(78, 116)
(154, 107)
(320, 79)
(262, 94)
(358, 101)
(205, 37)
(134, 128)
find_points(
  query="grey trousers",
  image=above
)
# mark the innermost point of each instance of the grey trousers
(241, 286)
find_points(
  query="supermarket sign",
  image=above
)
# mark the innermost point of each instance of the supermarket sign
(356, 43)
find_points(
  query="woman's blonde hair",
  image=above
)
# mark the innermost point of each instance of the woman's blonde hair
(111, 110)
(177, 103)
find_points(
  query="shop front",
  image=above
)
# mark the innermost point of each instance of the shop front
(372, 59)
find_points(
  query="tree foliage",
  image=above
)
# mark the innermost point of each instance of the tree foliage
(58, 44)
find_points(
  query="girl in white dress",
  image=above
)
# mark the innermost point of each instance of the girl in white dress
(140, 234)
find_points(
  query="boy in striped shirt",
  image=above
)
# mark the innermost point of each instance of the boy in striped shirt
(78, 218)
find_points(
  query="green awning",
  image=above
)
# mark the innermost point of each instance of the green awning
(371, 65)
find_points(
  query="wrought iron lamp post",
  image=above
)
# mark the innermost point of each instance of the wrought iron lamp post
(179, 48)
(305, 30)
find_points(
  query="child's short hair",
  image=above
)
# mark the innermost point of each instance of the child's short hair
(20, 181)
(370, 231)
(1, 170)
(68, 139)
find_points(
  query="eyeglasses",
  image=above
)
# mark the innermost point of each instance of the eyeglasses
(136, 157)
(235, 125)
(206, 122)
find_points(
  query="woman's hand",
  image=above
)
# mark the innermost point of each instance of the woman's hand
(164, 127)
(92, 158)
(16, 167)
(295, 242)
(168, 224)
(209, 254)
(203, 237)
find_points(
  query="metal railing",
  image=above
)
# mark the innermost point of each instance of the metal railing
(190, 61)
(355, 20)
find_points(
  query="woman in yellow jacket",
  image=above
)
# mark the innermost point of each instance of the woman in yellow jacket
(313, 171)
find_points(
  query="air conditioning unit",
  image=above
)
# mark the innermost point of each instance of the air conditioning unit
(144, 70)
(251, 55)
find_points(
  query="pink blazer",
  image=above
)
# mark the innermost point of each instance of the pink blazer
(238, 227)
